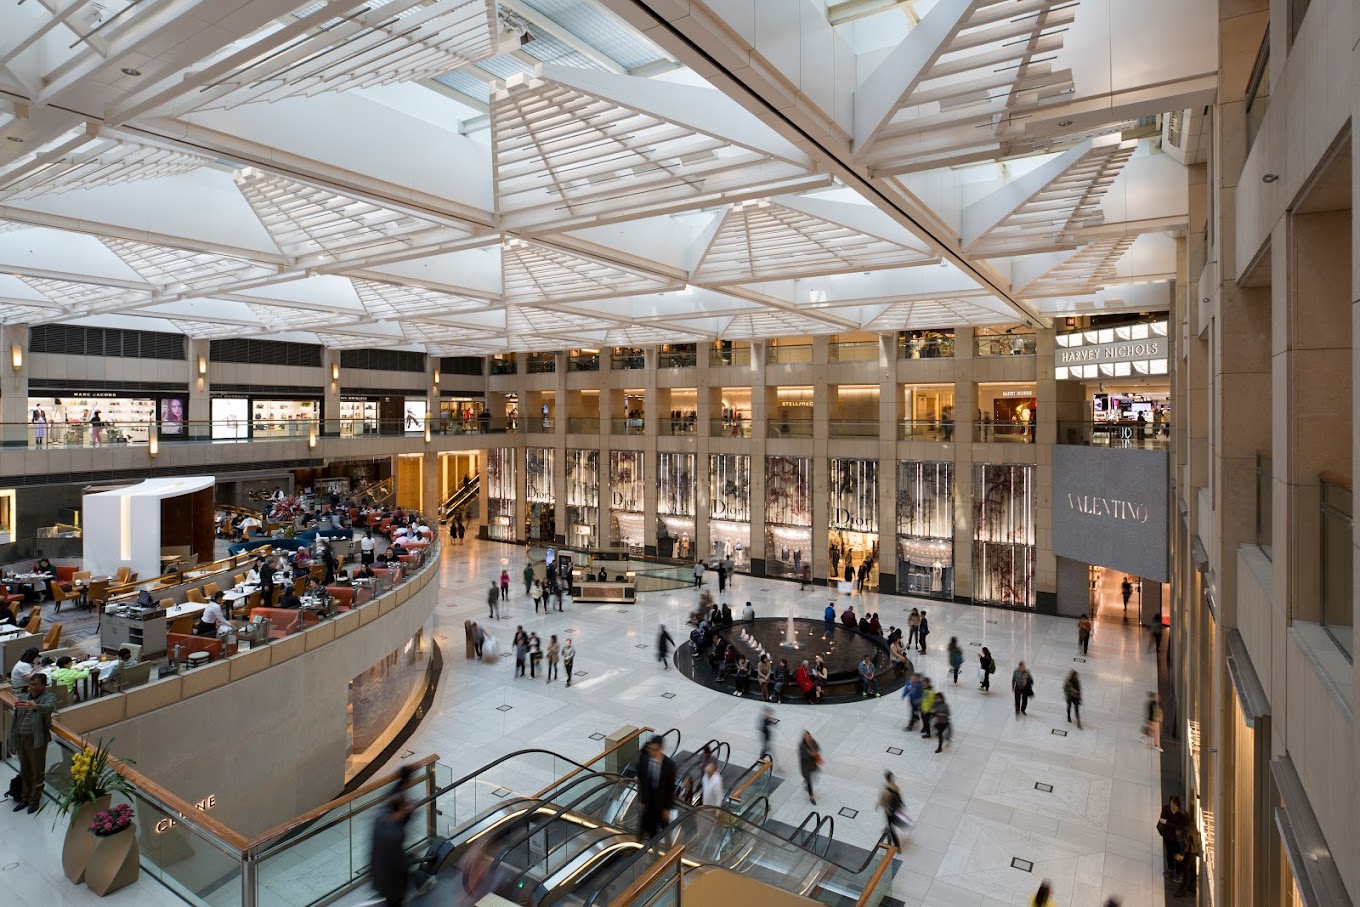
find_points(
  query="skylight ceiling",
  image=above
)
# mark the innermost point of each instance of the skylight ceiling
(608, 195)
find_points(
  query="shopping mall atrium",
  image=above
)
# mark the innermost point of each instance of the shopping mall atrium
(678, 452)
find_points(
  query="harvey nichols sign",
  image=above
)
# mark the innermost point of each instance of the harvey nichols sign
(1106, 353)
(1109, 508)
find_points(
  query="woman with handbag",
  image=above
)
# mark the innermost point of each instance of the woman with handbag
(986, 668)
(809, 761)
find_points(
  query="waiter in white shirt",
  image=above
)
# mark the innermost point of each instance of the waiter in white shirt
(366, 545)
(212, 618)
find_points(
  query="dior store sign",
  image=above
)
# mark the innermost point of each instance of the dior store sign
(1110, 508)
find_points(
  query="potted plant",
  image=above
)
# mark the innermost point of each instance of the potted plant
(116, 858)
(84, 787)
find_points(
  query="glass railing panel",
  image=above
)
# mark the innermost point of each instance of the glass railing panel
(585, 363)
(854, 428)
(738, 355)
(677, 359)
(925, 430)
(797, 352)
(628, 361)
(1005, 345)
(855, 351)
(926, 349)
(1003, 432)
(789, 428)
(540, 426)
(627, 426)
(1142, 435)
(678, 426)
(583, 424)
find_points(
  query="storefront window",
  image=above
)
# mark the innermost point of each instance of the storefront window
(283, 418)
(729, 487)
(539, 493)
(626, 497)
(1003, 539)
(788, 515)
(7, 529)
(65, 421)
(413, 419)
(675, 505)
(230, 418)
(925, 344)
(583, 497)
(500, 493)
(925, 528)
(358, 416)
(852, 545)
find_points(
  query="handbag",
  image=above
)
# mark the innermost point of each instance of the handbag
(982, 675)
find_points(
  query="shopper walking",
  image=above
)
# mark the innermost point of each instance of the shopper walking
(913, 629)
(493, 598)
(986, 668)
(656, 788)
(521, 644)
(711, 791)
(894, 808)
(1155, 634)
(568, 659)
(1044, 896)
(809, 761)
(829, 618)
(1126, 591)
(478, 639)
(922, 631)
(1072, 694)
(912, 693)
(1152, 728)
(766, 726)
(505, 585)
(955, 657)
(1022, 685)
(554, 652)
(663, 647)
(940, 713)
(1170, 824)
(1084, 633)
(387, 854)
(528, 577)
(698, 573)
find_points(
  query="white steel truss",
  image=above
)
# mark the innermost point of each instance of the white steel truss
(775, 239)
(574, 147)
(356, 341)
(522, 321)
(317, 52)
(283, 317)
(177, 272)
(1045, 208)
(9, 226)
(397, 301)
(533, 272)
(773, 323)
(85, 298)
(316, 227)
(963, 80)
(85, 158)
(429, 332)
(206, 330)
(1088, 269)
(937, 313)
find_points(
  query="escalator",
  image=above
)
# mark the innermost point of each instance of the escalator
(461, 497)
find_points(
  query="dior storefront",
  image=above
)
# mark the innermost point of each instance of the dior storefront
(925, 529)
(627, 498)
(788, 515)
(583, 497)
(853, 515)
(729, 508)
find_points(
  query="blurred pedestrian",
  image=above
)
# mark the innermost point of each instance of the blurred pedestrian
(809, 761)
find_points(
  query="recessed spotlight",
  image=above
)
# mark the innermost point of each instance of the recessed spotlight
(1064, 122)
(129, 71)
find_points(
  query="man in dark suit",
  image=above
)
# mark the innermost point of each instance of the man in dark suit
(656, 788)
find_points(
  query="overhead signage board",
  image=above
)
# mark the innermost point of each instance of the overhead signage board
(1109, 508)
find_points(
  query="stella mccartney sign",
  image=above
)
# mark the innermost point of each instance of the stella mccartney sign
(1106, 353)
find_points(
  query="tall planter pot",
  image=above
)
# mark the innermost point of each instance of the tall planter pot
(76, 850)
(115, 863)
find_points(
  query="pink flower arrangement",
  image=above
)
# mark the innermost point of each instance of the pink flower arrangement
(111, 821)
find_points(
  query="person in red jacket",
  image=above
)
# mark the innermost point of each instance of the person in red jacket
(849, 619)
(804, 680)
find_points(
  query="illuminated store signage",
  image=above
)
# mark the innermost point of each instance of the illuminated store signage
(1109, 508)
(1127, 351)
(1152, 348)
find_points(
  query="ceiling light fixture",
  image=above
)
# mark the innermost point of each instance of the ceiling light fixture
(1270, 177)
(129, 71)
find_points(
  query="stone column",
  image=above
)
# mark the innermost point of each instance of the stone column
(1045, 436)
(14, 430)
(823, 399)
(965, 416)
(760, 413)
(198, 414)
(651, 427)
(887, 462)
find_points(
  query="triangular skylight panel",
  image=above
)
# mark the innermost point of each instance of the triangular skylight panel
(1084, 271)
(9, 226)
(393, 300)
(17, 313)
(938, 313)
(429, 332)
(774, 239)
(574, 147)
(78, 298)
(315, 227)
(177, 271)
(645, 335)
(522, 320)
(531, 272)
(85, 159)
(378, 44)
(284, 318)
(1048, 206)
(775, 323)
(354, 341)
(203, 330)
(966, 78)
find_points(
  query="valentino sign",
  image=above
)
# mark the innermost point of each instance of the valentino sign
(1120, 351)
(1111, 508)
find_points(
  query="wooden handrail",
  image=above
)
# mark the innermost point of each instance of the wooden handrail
(877, 876)
(581, 768)
(649, 878)
(311, 815)
(1332, 478)
(766, 766)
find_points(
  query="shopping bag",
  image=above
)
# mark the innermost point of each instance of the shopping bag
(982, 675)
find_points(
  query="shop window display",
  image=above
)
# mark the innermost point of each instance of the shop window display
(358, 417)
(675, 494)
(500, 493)
(729, 508)
(539, 493)
(788, 515)
(853, 517)
(1003, 534)
(583, 497)
(925, 528)
(283, 418)
(65, 421)
(626, 497)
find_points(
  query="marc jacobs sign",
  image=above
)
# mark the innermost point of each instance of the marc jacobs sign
(1119, 351)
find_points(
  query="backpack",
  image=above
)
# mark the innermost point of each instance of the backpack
(16, 788)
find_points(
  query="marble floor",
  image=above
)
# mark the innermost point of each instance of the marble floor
(1079, 805)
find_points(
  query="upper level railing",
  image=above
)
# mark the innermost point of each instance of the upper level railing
(1145, 435)
(985, 345)
(580, 361)
(506, 366)
(630, 358)
(789, 428)
(735, 355)
(930, 348)
(854, 351)
(783, 354)
(679, 358)
(541, 364)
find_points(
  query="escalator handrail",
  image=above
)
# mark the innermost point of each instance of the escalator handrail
(828, 819)
(749, 777)
(802, 826)
(606, 779)
(755, 804)
(454, 785)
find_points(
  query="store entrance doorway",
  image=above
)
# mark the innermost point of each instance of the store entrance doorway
(1119, 597)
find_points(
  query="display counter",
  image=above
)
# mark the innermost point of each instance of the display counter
(594, 591)
(141, 628)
